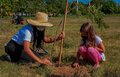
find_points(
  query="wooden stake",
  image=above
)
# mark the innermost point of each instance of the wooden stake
(63, 29)
(54, 41)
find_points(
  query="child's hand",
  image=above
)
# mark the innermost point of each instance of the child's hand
(89, 44)
(76, 65)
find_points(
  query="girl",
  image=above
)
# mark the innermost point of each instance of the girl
(34, 32)
(91, 47)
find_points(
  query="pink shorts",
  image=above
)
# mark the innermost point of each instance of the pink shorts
(90, 53)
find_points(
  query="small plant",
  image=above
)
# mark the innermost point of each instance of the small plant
(95, 15)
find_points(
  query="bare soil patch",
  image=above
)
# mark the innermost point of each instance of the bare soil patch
(68, 71)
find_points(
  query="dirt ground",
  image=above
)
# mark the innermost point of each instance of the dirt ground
(68, 71)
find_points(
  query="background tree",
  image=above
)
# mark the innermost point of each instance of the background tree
(5, 7)
(22, 6)
(73, 7)
(82, 8)
(55, 7)
(110, 7)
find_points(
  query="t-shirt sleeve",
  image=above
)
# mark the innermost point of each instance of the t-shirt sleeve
(27, 36)
(98, 40)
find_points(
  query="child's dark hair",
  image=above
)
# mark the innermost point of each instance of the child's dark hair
(38, 38)
(89, 30)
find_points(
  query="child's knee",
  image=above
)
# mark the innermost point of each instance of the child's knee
(91, 49)
(82, 49)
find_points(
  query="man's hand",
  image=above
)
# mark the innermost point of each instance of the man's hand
(47, 62)
(61, 36)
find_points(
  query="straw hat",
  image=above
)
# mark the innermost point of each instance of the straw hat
(41, 19)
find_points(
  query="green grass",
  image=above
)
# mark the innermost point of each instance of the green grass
(110, 36)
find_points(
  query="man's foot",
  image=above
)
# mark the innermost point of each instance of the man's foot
(6, 58)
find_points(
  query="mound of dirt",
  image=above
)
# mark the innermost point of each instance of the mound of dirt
(68, 71)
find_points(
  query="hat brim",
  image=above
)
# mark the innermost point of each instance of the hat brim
(36, 23)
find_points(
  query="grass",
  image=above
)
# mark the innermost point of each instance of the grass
(110, 36)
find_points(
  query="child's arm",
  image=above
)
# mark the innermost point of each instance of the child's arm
(101, 47)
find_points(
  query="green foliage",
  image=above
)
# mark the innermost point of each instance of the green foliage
(55, 7)
(5, 7)
(95, 15)
(82, 8)
(110, 7)
(22, 6)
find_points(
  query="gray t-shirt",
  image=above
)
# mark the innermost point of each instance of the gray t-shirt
(98, 40)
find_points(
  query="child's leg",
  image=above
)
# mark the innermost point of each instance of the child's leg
(94, 55)
(82, 51)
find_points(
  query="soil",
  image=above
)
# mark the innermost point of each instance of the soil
(68, 71)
